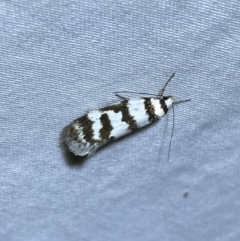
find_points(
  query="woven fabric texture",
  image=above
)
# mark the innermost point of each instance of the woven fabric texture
(60, 59)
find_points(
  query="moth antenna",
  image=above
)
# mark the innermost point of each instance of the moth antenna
(175, 103)
(164, 87)
(170, 143)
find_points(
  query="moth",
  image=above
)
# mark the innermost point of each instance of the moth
(85, 135)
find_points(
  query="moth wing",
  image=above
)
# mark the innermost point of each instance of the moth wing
(95, 148)
(80, 148)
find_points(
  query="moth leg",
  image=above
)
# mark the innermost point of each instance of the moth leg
(121, 97)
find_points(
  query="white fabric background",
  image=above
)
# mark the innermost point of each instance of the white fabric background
(60, 59)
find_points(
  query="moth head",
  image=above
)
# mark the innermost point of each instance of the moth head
(169, 100)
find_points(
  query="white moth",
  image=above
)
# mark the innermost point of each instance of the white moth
(85, 135)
